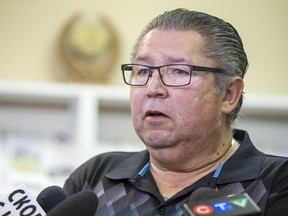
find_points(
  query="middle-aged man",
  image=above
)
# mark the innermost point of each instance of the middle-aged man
(186, 80)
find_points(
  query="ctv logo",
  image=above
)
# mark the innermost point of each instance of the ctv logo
(219, 207)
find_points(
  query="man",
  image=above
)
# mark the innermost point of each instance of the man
(186, 80)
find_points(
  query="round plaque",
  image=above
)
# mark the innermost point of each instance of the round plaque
(90, 48)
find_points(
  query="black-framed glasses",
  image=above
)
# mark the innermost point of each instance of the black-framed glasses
(170, 75)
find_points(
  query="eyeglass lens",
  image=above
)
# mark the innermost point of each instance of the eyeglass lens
(173, 75)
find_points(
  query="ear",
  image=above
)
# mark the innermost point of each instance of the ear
(232, 94)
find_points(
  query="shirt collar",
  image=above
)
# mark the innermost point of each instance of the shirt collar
(243, 165)
(130, 167)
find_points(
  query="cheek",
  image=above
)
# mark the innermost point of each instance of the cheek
(135, 106)
(195, 109)
(184, 109)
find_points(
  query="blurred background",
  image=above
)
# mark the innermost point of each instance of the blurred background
(62, 99)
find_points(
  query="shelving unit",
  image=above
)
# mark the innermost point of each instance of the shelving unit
(49, 129)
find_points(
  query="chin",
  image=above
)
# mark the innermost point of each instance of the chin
(158, 144)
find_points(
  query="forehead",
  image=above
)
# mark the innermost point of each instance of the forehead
(170, 45)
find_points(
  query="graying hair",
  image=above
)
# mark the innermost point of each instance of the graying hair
(222, 44)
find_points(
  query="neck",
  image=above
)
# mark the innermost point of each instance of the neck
(170, 181)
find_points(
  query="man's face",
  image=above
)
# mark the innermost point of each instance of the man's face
(165, 117)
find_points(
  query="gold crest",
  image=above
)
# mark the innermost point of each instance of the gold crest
(90, 48)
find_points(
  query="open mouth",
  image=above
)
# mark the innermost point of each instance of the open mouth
(154, 114)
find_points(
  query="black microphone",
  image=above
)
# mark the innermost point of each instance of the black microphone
(51, 197)
(207, 201)
(83, 203)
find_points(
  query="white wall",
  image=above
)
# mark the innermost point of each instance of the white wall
(29, 31)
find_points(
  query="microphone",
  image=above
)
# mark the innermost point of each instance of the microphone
(83, 203)
(20, 202)
(207, 201)
(50, 197)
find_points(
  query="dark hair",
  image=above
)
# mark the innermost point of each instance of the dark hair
(222, 44)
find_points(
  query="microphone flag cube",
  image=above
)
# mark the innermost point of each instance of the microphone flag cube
(20, 202)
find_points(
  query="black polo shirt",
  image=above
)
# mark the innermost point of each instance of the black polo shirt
(124, 185)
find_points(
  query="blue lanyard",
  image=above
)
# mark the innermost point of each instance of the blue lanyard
(216, 175)
(218, 170)
(147, 165)
(144, 169)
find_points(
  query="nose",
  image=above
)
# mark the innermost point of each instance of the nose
(155, 87)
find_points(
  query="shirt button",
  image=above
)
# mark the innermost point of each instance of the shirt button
(161, 211)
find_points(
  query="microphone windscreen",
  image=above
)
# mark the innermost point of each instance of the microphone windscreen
(204, 193)
(50, 197)
(83, 203)
(207, 201)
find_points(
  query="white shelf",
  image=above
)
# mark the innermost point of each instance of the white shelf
(266, 120)
(65, 124)
(71, 121)
(273, 105)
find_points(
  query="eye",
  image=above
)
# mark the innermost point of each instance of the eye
(179, 71)
(142, 72)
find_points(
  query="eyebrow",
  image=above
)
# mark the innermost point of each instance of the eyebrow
(170, 59)
(176, 60)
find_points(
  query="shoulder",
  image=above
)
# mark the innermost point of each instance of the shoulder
(275, 162)
(275, 165)
(93, 170)
(105, 161)
(275, 170)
